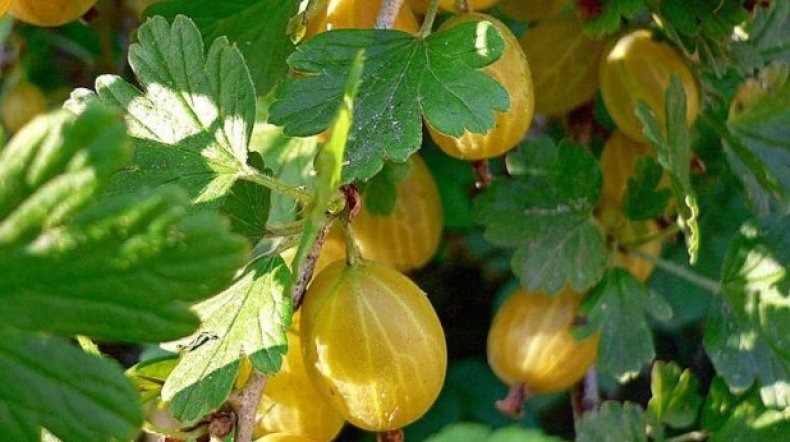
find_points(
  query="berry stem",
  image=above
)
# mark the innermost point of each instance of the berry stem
(512, 404)
(483, 176)
(430, 16)
(388, 13)
(353, 206)
(390, 436)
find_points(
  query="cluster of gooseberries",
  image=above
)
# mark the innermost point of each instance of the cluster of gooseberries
(358, 314)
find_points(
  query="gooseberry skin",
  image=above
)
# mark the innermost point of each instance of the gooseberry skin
(49, 12)
(618, 161)
(373, 344)
(285, 437)
(4, 4)
(475, 5)
(564, 63)
(639, 69)
(530, 342)
(361, 14)
(409, 236)
(21, 103)
(292, 403)
(511, 71)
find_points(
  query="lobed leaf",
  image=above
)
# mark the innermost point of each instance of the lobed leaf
(404, 78)
(644, 199)
(192, 123)
(546, 212)
(476, 432)
(256, 27)
(49, 384)
(675, 399)
(730, 417)
(748, 331)
(616, 307)
(248, 319)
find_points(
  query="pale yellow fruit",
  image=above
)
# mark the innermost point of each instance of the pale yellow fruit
(21, 103)
(49, 12)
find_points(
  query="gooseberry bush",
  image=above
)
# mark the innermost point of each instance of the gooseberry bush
(313, 220)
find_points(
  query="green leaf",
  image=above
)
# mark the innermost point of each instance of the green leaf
(729, 417)
(49, 383)
(475, 432)
(546, 212)
(608, 20)
(644, 199)
(55, 166)
(675, 399)
(405, 77)
(381, 192)
(263, 42)
(616, 307)
(614, 421)
(149, 376)
(674, 155)
(122, 270)
(247, 319)
(769, 38)
(193, 123)
(748, 332)
(757, 143)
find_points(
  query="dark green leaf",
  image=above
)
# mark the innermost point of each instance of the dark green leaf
(256, 27)
(675, 400)
(643, 198)
(769, 38)
(616, 307)
(546, 211)
(381, 191)
(48, 383)
(455, 180)
(744, 417)
(474, 432)
(192, 124)
(614, 421)
(713, 19)
(758, 147)
(247, 207)
(248, 319)
(404, 78)
(748, 332)
(673, 144)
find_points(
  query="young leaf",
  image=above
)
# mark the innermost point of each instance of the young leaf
(192, 124)
(614, 421)
(248, 319)
(616, 307)
(404, 77)
(673, 144)
(149, 376)
(757, 140)
(546, 211)
(49, 383)
(733, 418)
(675, 399)
(256, 27)
(643, 198)
(748, 331)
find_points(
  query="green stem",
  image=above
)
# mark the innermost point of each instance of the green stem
(254, 176)
(700, 281)
(690, 437)
(430, 16)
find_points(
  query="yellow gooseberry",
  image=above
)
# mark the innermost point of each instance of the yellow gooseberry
(49, 12)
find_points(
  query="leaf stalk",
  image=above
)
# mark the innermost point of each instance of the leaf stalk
(254, 176)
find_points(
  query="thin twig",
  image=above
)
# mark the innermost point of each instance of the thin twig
(245, 403)
(670, 267)
(308, 267)
(512, 404)
(388, 13)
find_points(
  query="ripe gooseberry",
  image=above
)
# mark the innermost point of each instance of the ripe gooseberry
(21, 103)
(564, 63)
(409, 236)
(530, 341)
(373, 344)
(474, 5)
(49, 12)
(285, 437)
(292, 403)
(639, 68)
(511, 70)
(341, 14)
(4, 4)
